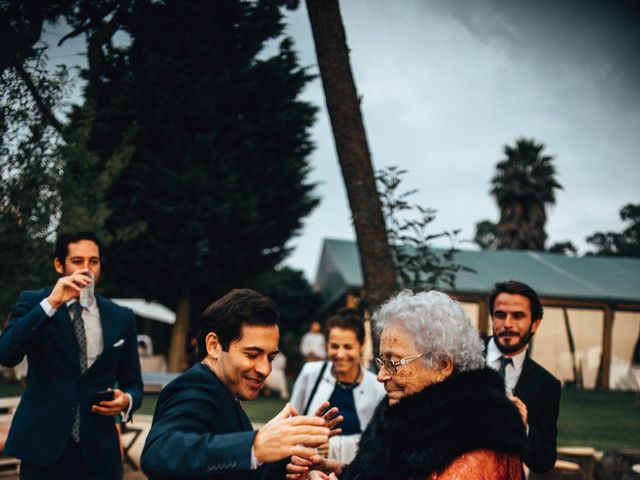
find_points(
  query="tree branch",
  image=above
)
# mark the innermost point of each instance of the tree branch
(44, 110)
(104, 34)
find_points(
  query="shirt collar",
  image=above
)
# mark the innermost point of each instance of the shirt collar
(92, 309)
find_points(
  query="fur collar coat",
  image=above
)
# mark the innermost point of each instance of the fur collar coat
(425, 432)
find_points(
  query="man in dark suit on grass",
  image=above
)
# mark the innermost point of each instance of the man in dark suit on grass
(73, 352)
(199, 427)
(516, 314)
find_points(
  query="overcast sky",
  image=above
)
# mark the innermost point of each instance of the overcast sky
(446, 84)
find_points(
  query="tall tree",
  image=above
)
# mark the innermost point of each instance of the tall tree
(349, 135)
(213, 185)
(625, 243)
(524, 185)
(32, 125)
(30, 165)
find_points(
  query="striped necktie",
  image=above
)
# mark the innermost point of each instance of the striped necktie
(81, 339)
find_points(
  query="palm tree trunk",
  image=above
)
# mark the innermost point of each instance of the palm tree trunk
(179, 336)
(353, 152)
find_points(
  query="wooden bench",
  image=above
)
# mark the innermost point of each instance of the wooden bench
(8, 405)
(586, 457)
(562, 470)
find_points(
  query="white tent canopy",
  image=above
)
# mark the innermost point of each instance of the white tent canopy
(152, 310)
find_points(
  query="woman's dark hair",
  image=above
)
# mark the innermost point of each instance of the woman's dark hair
(346, 318)
(226, 316)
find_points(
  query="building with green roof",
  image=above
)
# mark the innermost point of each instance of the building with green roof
(593, 302)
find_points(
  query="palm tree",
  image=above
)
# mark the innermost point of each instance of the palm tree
(523, 186)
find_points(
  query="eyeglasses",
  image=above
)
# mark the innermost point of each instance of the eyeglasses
(392, 365)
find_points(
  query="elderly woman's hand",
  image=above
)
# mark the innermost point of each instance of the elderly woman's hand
(308, 468)
(318, 475)
(332, 419)
(299, 468)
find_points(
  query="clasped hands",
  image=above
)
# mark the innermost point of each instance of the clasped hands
(290, 434)
(317, 465)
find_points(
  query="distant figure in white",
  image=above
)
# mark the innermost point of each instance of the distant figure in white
(312, 345)
(277, 381)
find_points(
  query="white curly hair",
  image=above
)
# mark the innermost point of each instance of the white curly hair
(438, 325)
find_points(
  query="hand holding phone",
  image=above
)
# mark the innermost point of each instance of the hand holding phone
(103, 395)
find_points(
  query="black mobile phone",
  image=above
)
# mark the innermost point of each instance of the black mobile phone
(103, 395)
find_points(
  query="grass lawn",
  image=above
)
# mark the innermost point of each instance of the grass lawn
(259, 411)
(594, 418)
(599, 419)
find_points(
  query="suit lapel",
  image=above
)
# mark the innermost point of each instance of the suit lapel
(108, 323)
(244, 419)
(525, 387)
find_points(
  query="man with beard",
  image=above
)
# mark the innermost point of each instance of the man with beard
(516, 313)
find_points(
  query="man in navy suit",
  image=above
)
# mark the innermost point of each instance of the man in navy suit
(57, 430)
(199, 427)
(516, 313)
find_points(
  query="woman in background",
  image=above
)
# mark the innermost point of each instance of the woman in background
(343, 382)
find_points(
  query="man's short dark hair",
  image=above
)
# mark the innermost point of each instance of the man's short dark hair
(64, 239)
(348, 319)
(226, 316)
(514, 287)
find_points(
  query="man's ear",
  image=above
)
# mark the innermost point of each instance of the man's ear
(535, 325)
(58, 266)
(214, 348)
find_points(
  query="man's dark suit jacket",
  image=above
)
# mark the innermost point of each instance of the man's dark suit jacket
(540, 392)
(200, 430)
(41, 426)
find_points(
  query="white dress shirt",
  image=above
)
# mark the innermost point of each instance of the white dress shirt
(512, 371)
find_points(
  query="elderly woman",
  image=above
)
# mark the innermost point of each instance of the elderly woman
(447, 417)
(342, 382)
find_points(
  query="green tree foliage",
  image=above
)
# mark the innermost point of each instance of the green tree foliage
(486, 236)
(32, 148)
(206, 144)
(189, 155)
(297, 304)
(30, 167)
(625, 243)
(524, 185)
(87, 177)
(220, 148)
(418, 266)
(566, 248)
